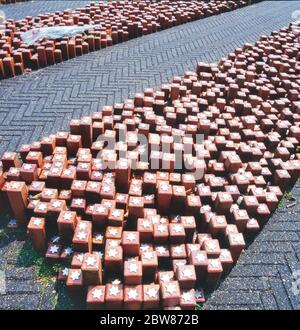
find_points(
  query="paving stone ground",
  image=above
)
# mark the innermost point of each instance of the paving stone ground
(44, 101)
(33, 8)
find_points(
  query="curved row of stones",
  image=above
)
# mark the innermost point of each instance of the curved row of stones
(133, 236)
(115, 22)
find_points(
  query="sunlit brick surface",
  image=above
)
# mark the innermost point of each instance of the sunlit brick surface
(247, 110)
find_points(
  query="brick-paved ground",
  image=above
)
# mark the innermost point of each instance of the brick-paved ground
(44, 101)
(34, 8)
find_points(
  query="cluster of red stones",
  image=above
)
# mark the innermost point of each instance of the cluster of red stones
(137, 237)
(116, 21)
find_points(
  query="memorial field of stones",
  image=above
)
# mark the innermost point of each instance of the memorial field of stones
(149, 203)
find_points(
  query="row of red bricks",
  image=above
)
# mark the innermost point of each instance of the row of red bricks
(115, 22)
(140, 237)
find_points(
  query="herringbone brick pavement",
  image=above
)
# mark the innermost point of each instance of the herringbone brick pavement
(33, 8)
(42, 102)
